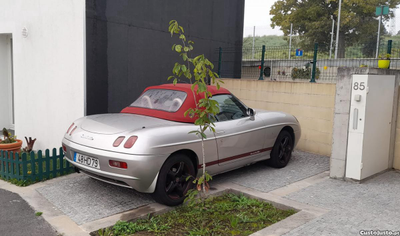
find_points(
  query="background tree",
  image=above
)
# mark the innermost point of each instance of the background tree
(312, 20)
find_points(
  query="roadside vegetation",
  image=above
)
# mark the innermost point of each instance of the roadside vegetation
(228, 214)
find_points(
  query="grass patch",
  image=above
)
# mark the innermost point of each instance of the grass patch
(20, 183)
(228, 214)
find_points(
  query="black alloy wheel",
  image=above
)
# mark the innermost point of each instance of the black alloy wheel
(282, 150)
(172, 183)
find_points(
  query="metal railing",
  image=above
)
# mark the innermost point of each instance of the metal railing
(308, 65)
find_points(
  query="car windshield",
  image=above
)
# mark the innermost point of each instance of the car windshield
(161, 99)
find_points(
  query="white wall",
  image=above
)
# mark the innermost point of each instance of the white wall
(49, 66)
(5, 118)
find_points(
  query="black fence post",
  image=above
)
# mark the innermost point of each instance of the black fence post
(262, 63)
(314, 63)
(389, 49)
(219, 62)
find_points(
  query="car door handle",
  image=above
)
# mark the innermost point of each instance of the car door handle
(220, 132)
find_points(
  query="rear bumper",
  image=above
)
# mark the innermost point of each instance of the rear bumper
(141, 174)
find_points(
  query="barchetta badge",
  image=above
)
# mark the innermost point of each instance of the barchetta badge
(86, 137)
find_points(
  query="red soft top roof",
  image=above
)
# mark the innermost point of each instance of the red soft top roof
(179, 114)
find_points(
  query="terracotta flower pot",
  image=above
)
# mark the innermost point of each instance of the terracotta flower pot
(11, 147)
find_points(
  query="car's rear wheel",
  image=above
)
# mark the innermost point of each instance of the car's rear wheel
(282, 150)
(172, 185)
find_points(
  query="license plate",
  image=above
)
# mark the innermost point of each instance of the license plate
(87, 161)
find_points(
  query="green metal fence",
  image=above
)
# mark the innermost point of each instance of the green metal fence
(33, 166)
(302, 65)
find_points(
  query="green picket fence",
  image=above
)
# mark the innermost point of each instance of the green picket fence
(33, 166)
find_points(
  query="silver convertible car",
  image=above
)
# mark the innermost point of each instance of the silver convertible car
(147, 146)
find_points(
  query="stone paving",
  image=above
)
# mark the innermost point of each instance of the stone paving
(372, 205)
(263, 178)
(84, 199)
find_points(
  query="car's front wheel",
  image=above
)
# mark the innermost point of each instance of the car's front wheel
(172, 185)
(282, 150)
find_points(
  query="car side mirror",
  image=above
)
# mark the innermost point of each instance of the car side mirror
(251, 113)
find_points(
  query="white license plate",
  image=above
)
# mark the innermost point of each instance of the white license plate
(87, 161)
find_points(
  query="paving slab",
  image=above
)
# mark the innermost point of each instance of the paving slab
(372, 205)
(18, 218)
(84, 199)
(264, 178)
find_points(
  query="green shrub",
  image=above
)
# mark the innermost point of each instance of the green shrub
(304, 73)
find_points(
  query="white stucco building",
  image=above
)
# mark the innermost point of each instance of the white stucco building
(42, 67)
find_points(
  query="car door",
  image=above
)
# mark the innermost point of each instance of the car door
(239, 139)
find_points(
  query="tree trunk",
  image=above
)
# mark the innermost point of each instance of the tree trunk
(204, 166)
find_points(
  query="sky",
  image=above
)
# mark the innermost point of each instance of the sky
(257, 14)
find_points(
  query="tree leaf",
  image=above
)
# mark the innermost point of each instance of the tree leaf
(178, 48)
(182, 37)
(183, 68)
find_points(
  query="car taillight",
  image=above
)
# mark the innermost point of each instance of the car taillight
(118, 164)
(64, 148)
(118, 141)
(70, 128)
(131, 140)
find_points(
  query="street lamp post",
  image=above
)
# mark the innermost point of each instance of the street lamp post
(338, 29)
(380, 11)
(333, 28)
(290, 41)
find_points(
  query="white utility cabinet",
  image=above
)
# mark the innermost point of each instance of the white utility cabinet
(371, 110)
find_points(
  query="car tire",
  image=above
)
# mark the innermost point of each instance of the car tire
(171, 185)
(282, 150)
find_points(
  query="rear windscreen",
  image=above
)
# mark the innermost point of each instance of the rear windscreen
(161, 99)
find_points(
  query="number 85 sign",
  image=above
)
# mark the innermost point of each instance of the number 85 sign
(358, 86)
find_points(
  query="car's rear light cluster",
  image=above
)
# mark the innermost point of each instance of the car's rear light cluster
(64, 148)
(69, 129)
(128, 144)
(118, 141)
(72, 130)
(118, 164)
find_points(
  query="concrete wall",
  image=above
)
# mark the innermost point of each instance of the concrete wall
(396, 161)
(49, 66)
(311, 103)
(129, 46)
